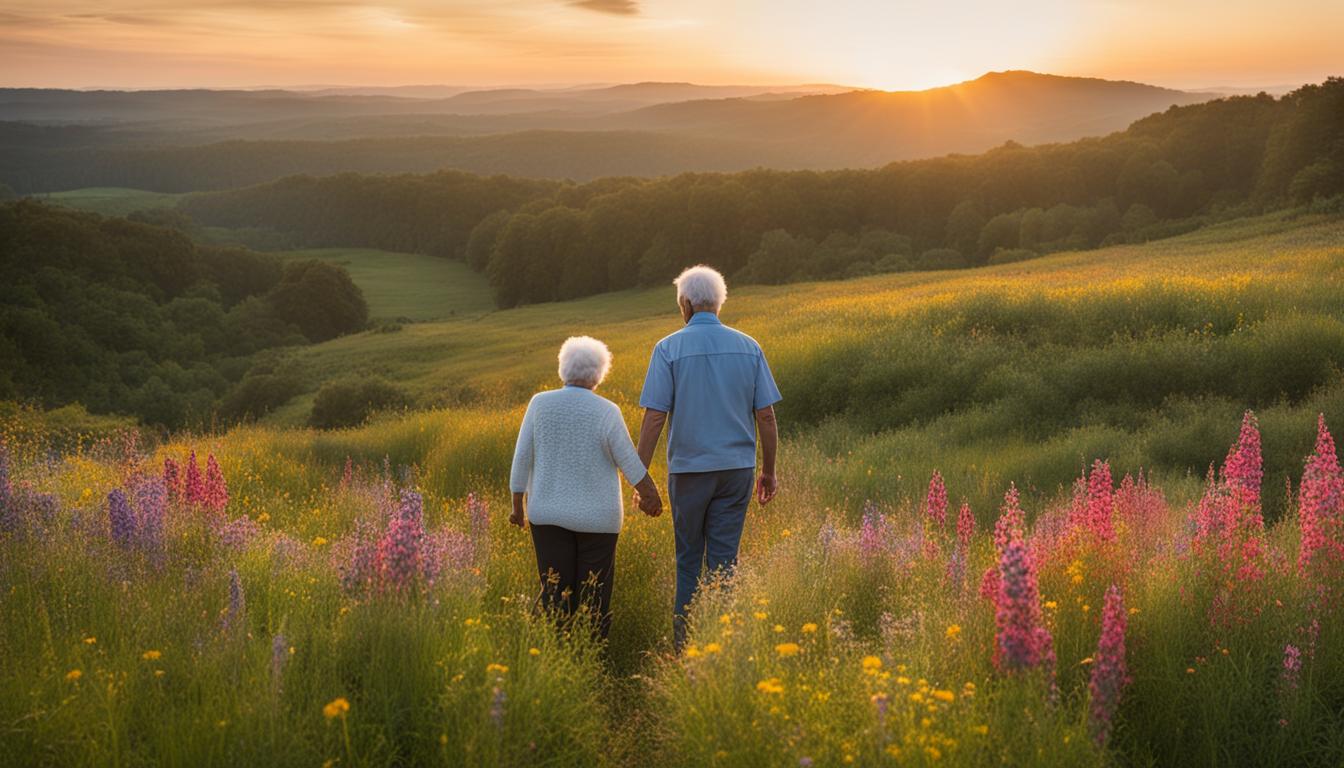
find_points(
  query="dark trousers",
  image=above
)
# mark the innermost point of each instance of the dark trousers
(708, 511)
(576, 569)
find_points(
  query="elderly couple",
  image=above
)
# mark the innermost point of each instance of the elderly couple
(710, 384)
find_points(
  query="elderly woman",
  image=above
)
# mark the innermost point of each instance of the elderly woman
(570, 447)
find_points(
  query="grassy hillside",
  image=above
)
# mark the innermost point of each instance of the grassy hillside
(1144, 353)
(408, 285)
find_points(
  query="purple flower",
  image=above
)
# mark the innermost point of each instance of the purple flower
(279, 654)
(1110, 674)
(9, 514)
(151, 500)
(497, 701)
(1022, 641)
(361, 567)
(238, 533)
(233, 614)
(1292, 666)
(401, 550)
(120, 518)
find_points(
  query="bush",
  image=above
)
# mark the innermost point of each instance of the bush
(350, 403)
(320, 299)
(940, 258)
(261, 391)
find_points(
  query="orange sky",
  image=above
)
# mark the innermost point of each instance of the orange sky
(892, 44)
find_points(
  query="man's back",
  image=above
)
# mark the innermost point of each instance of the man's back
(711, 379)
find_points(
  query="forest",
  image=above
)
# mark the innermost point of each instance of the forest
(125, 317)
(544, 241)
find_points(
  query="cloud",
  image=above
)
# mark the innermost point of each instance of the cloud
(614, 7)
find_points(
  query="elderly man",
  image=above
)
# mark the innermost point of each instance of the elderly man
(712, 386)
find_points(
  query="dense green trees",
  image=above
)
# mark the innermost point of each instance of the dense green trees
(127, 317)
(544, 241)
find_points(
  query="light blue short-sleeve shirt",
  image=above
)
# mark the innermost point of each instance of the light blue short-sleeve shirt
(711, 380)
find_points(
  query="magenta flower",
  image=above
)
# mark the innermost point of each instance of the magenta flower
(1321, 507)
(1244, 468)
(400, 552)
(1110, 675)
(1100, 502)
(935, 504)
(1011, 525)
(214, 490)
(151, 501)
(875, 534)
(193, 487)
(1022, 641)
(1292, 666)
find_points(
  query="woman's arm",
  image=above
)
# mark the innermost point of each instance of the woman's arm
(632, 466)
(521, 472)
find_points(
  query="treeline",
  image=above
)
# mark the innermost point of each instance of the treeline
(544, 241)
(126, 317)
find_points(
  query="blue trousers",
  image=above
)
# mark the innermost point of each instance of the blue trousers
(708, 510)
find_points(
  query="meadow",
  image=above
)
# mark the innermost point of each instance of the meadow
(1069, 589)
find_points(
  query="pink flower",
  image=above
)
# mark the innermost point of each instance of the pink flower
(965, 526)
(1100, 502)
(1292, 666)
(172, 478)
(348, 473)
(1110, 674)
(193, 487)
(1022, 641)
(214, 491)
(400, 553)
(1243, 469)
(936, 502)
(1011, 525)
(1321, 508)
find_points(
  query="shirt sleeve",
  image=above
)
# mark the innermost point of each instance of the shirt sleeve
(622, 450)
(658, 391)
(523, 454)
(767, 393)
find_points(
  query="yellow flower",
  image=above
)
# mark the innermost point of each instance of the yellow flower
(336, 708)
(73, 675)
(933, 752)
(779, 628)
(90, 640)
(786, 533)
(500, 668)
(318, 541)
(902, 680)
(151, 655)
(953, 631)
(713, 648)
(772, 686)
(264, 517)
(726, 618)
(158, 673)
(944, 696)
(760, 615)
(983, 730)
(787, 649)
(534, 651)
(871, 664)
(1085, 662)
(692, 652)
(1189, 670)
(1051, 604)
(809, 628)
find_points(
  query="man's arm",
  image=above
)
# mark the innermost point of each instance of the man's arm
(766, 485)
(649, 432)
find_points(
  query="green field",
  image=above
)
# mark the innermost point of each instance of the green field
(408, 285)
(855, 630)
(111, 201)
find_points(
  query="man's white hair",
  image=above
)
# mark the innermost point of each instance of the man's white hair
(703, 287)
(584, 361)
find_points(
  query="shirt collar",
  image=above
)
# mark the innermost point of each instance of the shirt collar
(705, 318)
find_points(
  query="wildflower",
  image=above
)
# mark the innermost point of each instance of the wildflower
(534, 651)
(319, 541)
(73, 676)
(399, 552)
(871, 664)
(787, 650)
(1321, 507)
(1100, 502)
(1012, 520)
(809, 628)
(778, 628)
(151, 655)
(953, 631)
(692, 651)
(945, 696)
(193, 487)
(121, 518)
(280, 652)
(499, 668)
(760, 615)
(771, 686)
(713, 648)
(214, 491)
(151, 499)
(935, 504)
(172, 478)
(1292, 666)
(348, 473)
(1244, 468)
(982, 730)
(875, 533)
(1022, 642)
(1110, 673)
(335, 708)
(965, 525)
(90, 640)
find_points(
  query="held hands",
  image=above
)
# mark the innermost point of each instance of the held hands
(647, 498)
(766, 488)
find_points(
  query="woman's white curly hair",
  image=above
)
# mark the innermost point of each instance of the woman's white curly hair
(584, 361)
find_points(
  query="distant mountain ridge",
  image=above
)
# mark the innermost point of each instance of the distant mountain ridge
(131, 138)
